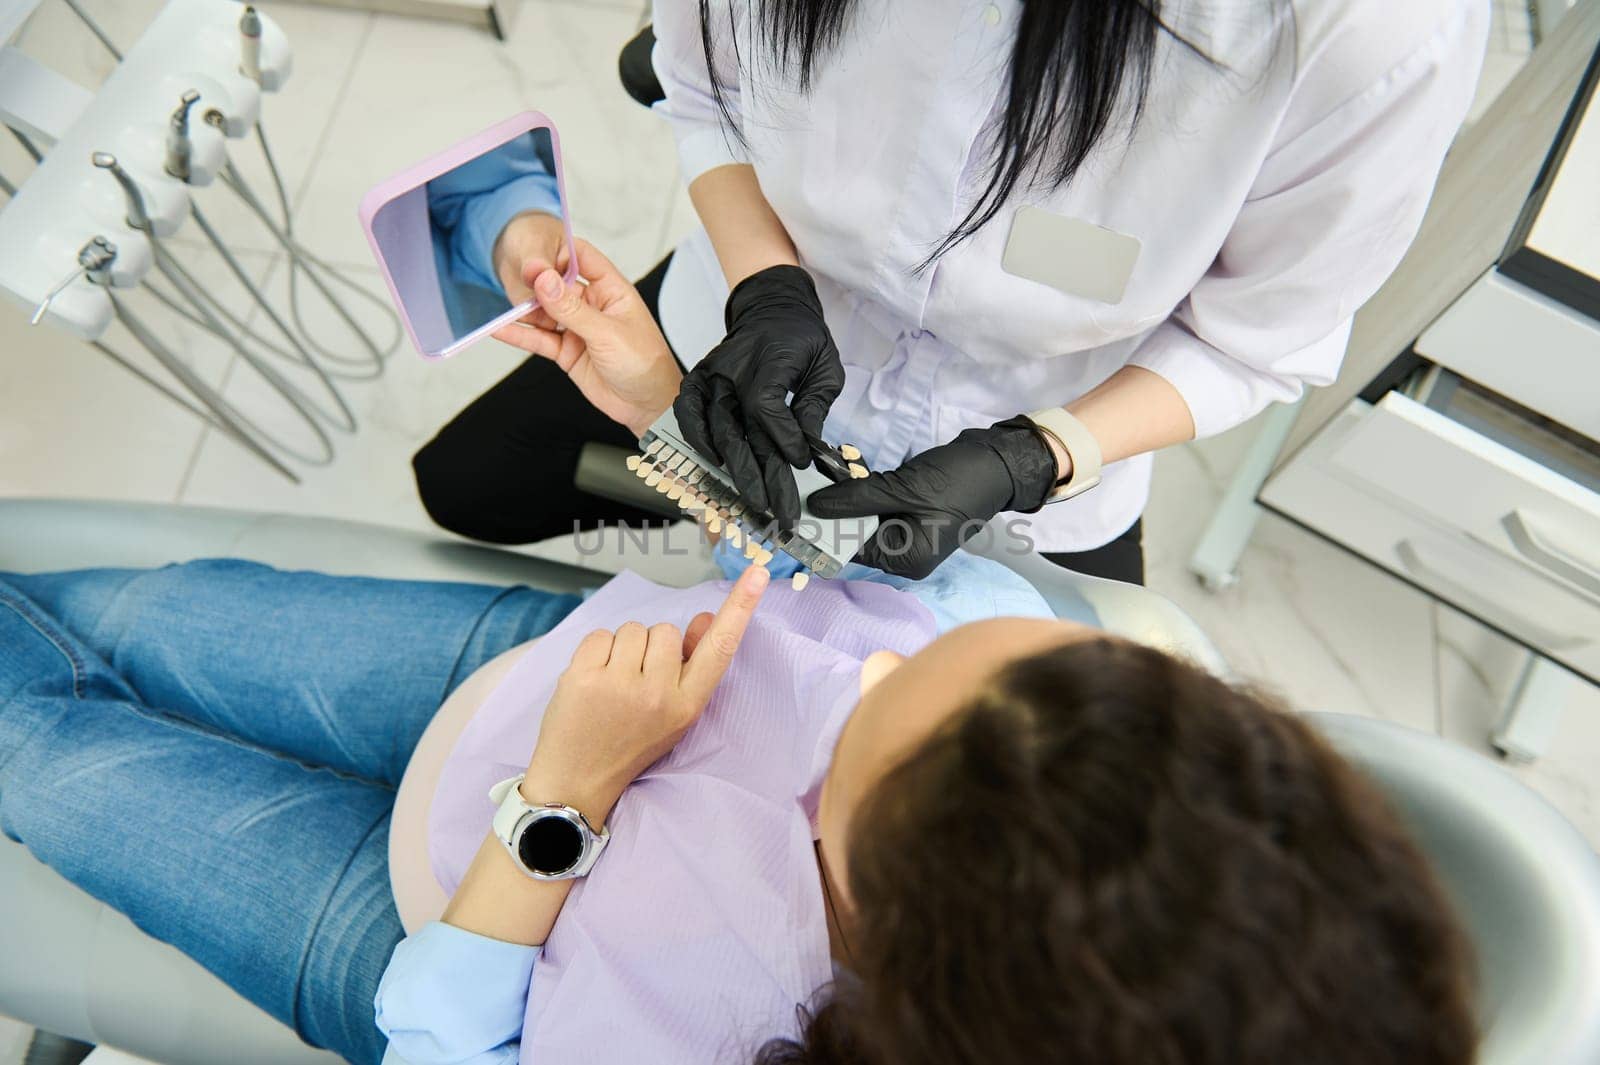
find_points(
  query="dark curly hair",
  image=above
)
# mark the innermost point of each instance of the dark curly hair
(1112, 857)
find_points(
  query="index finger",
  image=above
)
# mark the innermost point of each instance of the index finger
(715, 651)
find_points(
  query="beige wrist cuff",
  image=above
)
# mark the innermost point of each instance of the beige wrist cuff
(1079, 444)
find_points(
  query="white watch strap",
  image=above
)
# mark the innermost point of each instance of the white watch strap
(1079, 444)
(511, 808)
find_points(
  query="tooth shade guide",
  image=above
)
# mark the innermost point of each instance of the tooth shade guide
(799, 581)
(633, 462)
(819, 553)
(858, 471)
(851, 453)
(654, 478)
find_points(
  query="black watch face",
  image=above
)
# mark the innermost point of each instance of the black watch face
(550, 845)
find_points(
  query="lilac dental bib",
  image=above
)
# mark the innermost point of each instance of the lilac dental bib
(702, 926)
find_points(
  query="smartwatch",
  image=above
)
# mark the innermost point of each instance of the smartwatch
(1079, 444)
(551, 841)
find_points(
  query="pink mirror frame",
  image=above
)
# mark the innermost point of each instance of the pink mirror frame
(408, 181)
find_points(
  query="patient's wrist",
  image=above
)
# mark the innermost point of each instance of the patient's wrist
(548, 783)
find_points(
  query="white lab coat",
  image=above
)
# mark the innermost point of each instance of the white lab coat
(1271, 199)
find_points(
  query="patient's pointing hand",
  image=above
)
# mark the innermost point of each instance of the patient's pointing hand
(628, 696)
(603, 337)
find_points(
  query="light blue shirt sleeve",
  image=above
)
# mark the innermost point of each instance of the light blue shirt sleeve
(470, 206)
(452, 997)
(965, 587)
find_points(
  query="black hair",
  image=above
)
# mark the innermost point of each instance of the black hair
(1074, 64)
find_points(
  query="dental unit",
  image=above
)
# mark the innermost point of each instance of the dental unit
(217, 61)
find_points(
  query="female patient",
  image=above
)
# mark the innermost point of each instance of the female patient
(1017, 841)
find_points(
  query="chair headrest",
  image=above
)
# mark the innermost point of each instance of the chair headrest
(1525, 883)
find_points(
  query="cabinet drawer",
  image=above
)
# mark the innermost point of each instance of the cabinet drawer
(1428, 463)
(1525, 346)
(1487, 529)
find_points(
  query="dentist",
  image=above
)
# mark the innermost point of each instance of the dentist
(1011, 249)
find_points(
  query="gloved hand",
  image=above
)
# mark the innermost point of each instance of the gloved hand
(939, 499)
(733, 406)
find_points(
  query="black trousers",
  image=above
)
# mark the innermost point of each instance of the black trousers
(502, 470)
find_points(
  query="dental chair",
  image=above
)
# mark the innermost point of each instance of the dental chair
(1525, 882)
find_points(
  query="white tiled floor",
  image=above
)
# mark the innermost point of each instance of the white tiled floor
(373, 93)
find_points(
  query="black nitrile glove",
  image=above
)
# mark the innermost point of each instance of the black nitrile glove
(734, 405)
(940, 499)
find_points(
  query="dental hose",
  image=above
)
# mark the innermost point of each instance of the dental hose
(346, 419)
(223, 415)
(138, 217)
(212, 409)
(296, 399)
(211, 325)
(94, 28)
(300, 258)
(232, 421)
(127, 364)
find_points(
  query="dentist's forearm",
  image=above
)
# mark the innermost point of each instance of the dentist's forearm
(1133, 411)
(744, 229)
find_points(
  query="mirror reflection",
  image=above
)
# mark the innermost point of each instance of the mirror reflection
(461, 247)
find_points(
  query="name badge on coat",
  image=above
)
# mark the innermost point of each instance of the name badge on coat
(1070, 255)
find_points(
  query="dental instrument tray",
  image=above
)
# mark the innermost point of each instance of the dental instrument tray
(703, 489)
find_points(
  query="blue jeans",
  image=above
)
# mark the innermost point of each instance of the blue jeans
(213, 749)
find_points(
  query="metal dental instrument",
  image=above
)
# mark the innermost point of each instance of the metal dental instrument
(94, 263)
(300, 259)
(207, 312)
(138, 216)
(94, 258)
(180, 149)
(250, 44)
(123, 361)
(192, 291)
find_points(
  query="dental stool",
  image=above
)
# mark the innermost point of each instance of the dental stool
(1523, 879)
